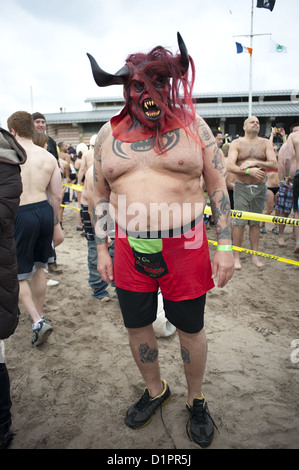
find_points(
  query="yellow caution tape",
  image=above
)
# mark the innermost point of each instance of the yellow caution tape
(258, 217)
(70, 207)
(236, 248)
(234, 213)
(75, 187)
(258, 253)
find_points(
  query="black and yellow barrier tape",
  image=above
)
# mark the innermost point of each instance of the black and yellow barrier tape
(258, 217)
(258, 253)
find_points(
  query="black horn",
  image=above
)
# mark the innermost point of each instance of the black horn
(103, 78)
(184, 59)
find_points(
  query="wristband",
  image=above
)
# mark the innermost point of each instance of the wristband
(247, 171)
(224, 248)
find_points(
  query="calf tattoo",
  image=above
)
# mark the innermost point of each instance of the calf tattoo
(147, 355)
(185, 355)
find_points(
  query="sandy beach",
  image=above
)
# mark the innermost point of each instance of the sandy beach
(74, 390)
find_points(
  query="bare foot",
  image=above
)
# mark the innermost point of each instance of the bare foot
(281, 242)
(296, 251)
(237, 264)
(257, 262)
(105, 299)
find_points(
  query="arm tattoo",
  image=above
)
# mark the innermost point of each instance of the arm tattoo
(204, 133)
(147, 355)
(220, 206)
(209, 142)
(217, 160)
(101, 221)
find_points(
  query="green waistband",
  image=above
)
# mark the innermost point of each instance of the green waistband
(146, 245)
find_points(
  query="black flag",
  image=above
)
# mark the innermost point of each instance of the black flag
(269, 4)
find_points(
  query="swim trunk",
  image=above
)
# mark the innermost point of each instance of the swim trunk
(274, 190)
(296, 191)
(178, 264)
(249, 198)
(284, 199)
(34, 225)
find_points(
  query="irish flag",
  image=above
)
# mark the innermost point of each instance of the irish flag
(241, 49)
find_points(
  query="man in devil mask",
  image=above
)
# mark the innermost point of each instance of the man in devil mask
(149, 161)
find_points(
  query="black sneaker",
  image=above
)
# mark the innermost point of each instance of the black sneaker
(200, 427)
(140, 413)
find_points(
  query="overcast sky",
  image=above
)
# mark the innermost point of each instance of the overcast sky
(44, 67)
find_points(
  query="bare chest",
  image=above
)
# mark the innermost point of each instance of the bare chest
(252, 150)
(180, 154)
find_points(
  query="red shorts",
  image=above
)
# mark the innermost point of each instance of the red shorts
(182, 268)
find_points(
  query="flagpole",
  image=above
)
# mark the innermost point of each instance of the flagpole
(250, 64)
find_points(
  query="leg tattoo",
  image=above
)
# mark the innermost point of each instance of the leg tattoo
(147, 354)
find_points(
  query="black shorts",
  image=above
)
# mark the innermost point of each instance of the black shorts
(139, 309)
(296, 192)
(33, 235)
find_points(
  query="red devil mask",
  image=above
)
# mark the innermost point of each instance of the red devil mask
(151, 90)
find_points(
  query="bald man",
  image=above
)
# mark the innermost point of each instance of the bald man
(249, 158)
(293, 145)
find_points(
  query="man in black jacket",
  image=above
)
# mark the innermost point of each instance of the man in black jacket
(12, 155)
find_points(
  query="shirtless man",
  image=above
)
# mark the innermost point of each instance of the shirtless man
(249, 158)
(95, 281)
(284, 199)
(87, 159)
(293, 146)
(86, 162)
(65, 170)
(148, 163)
(272, 189)
(34, 222)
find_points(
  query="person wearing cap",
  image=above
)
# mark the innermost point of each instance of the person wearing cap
(40, 126)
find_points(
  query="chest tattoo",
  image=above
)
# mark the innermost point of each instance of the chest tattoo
(170, 140)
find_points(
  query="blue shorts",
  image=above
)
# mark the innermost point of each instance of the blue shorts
(284, 199)
(34, 225)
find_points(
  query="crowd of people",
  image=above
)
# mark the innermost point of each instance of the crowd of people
(277, 179)
(76, 166)
(179, 165)
(32, 198)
